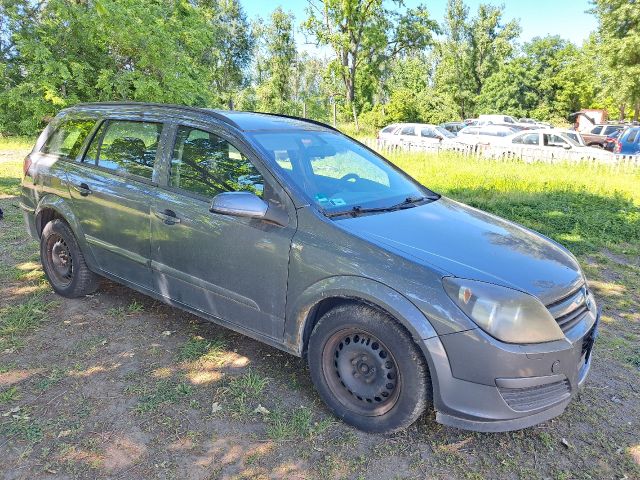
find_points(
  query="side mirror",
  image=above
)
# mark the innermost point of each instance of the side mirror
(239, 204)
(248, 205)
(566, 146)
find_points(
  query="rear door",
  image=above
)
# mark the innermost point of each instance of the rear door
(232, 268)
(407, 135)
(112, 189)
(428, 136)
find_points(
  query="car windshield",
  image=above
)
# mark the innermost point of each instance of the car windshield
(336, 173)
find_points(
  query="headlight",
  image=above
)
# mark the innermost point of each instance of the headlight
(504, 313)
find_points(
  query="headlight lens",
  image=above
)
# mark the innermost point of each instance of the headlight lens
(504, 313)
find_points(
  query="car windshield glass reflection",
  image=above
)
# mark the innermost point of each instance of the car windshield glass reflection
(336, 173)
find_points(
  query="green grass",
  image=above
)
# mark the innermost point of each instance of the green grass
(163, 392)
(294, 424)
(19, 320)
(244, 392)
(198, 348)
(9, 395)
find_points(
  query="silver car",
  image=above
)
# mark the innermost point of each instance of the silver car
(290, 232)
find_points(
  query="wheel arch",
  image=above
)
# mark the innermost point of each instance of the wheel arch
(51, 207)
(330, 292)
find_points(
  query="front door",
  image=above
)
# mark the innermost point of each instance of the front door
(112, 190)
(229, 267)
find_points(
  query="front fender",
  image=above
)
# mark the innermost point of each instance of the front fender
(354, 288)
(62, 207)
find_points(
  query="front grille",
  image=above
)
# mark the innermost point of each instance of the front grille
(569, 310)
(532, 398)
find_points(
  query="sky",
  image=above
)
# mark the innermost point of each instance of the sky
(567, 18)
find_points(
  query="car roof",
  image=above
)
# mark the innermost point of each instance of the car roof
(245, 121)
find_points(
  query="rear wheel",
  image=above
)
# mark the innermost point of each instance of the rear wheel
(368, 369)
(63, 261)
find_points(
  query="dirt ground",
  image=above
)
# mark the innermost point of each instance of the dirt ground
(117, 385)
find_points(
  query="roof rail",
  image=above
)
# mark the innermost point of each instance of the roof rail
(302, 119)
(201, 110)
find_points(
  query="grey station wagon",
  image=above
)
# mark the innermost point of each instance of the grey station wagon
(296, 235)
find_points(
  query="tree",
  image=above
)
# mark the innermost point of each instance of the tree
(364, 34)
(275, 65)
(68, 52)
(472, 51)
(619, 29)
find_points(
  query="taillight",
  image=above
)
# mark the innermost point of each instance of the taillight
(26, 165)
(618, 147)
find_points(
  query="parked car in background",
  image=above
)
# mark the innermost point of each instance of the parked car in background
(470, 121)
(546, 140)
(597, 136)
(414, 134)
(535, 123)
(483, 134)
(453, 127)
(610, 141)
(506, 120)
(288, 231)
(628, 143)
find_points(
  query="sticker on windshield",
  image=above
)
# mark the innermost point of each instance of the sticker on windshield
(338, 202)
(322, 199)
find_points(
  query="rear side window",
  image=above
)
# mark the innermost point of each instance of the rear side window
(67, 139)
(408, 131)
(126, 146)
(389, 129)
(633, 135)
(610, 129)
(207, 164)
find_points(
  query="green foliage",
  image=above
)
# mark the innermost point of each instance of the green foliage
(385, 62)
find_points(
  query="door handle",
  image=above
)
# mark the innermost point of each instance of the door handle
(167, 216)
(83, 189)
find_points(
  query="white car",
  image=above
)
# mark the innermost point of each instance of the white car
(483, 134)
(414, 134)
(548, 140)
(505, 120)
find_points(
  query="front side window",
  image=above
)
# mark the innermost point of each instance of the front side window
(206, 164)
(67, 139)
(336, 173)
(610, 129)
(126, 146)
(596, 130)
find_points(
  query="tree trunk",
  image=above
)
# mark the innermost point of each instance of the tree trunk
(355, 116)
(636, 112)
(622, 106)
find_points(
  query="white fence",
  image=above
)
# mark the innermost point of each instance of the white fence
(525, 154)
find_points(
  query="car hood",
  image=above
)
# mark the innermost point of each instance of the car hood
(469, 243)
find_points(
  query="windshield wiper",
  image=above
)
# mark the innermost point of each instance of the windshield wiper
(408, 202)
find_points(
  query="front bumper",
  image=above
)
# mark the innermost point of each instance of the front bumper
(486, 386)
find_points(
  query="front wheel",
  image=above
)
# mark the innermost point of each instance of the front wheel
(368, 369)
(63, 262)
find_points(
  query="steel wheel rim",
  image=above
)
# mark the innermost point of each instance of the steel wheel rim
(361, 372)
(59, 260)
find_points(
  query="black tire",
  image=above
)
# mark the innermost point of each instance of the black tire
(63, 262)
(368, 370)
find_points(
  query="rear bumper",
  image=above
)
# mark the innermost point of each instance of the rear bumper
(510, 402)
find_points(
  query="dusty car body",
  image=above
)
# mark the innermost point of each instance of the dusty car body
(298, 236)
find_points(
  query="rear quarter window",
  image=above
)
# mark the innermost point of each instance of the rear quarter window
(67, 138)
